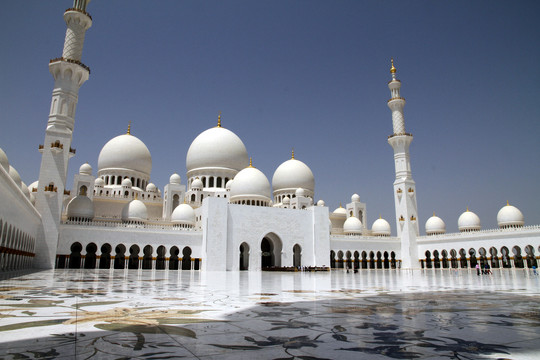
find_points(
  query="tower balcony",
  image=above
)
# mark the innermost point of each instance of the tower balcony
(71, 61)
(79, 10)
(400, 134)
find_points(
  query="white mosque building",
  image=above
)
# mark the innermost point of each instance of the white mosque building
(226, 215)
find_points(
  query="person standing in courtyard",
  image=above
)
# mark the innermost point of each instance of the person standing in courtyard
(477, 269)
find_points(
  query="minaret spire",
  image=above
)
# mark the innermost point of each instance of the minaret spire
(404, 185)
(69, 74)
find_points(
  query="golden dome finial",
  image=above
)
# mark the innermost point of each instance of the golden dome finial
(292, 153)
(467, 208)
(392, 69)
(507, 203)
(380, 217)
(219, 119)
(250, 162)
(340, 205)
(129, 128)
(434, 213)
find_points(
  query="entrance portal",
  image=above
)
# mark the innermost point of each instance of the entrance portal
(244, 256)
(297, 256)
(270, 251)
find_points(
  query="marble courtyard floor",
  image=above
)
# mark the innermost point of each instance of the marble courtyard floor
(374, 314)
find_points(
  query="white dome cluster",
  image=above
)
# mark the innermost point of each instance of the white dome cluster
(4, 160)
(291, 175)
(135, 212)
(80, 208)
(381, 227)
(469, 221)
(435, 225)
(352, 226)
(250, 186)
(175, 179)
(183, 216)
(510, 216)
(216, 148)
(85, 169)
(125, 152)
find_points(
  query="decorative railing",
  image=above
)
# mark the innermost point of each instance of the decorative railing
(79, 10)
(70, 61)
(396, 98)
(400, 134)
(363, 237)
(115, 224)
(530, 228)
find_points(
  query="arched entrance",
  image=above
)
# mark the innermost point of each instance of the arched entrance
(270, 251)
(186, 258)
(244, 256)
(297, 256)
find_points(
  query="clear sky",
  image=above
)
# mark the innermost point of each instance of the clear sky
(305, 74)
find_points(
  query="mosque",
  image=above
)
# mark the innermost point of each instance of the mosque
(225, 215)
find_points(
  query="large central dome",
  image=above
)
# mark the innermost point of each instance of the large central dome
(125, 152)
(217, 148)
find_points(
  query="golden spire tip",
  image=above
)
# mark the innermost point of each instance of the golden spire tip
(250, 163)
(292, 154)
(129, 128)
(219, 119)
(392, 69)
(507, 203)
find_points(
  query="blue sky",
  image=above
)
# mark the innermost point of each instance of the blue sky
(305, 74)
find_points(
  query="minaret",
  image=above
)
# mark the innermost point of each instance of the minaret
(404, 186)
(69, 74)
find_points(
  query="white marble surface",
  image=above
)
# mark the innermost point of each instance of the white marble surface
(124, 314)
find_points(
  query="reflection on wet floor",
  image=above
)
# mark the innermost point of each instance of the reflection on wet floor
(100, 314)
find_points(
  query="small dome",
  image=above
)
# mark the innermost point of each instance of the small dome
(127, 183)
(321, 203)
(183, 214)
(355, 198)
(286, 200)
(34, 185)
(15, 176)
(381, 227)
(352, 226)
(293, 174)
(135, 210)
(510, 216)
(197, 184)
(151, 187)
(250, 184)
(340, 211)
(217, 148)
(175, 179)
(99, 182)
(4, 160)
(85, 169)
(80, 208)
(435, 225)
(300, 192)
(469, 221)
(229, 184)
(125, 152)
(25, 190)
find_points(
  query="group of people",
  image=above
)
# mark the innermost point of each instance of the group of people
(484, 270)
